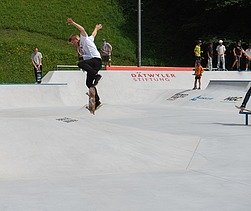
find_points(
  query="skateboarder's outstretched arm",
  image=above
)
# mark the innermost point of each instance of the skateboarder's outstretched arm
(79, 27)
(96, 29)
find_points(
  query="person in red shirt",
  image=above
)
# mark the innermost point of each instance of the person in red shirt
(198, 73)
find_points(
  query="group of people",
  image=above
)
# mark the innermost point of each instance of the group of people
(237, 52)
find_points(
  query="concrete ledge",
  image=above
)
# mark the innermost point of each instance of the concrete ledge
(42, 84)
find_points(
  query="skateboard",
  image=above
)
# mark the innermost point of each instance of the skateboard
(243, 109)
(91, 106)
(39, 75)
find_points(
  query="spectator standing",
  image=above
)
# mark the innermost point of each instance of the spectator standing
(210, 53)
(237, 51)
(36, 59)
(197, 51)
(248, 54)
(221, 49)
(106, 53)
(80, 57)
(198, 74)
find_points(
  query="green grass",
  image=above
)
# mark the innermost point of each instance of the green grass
(25, 24)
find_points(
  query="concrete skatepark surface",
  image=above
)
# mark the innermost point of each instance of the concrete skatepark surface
(155, 144)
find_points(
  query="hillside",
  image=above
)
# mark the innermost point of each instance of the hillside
(25, 25)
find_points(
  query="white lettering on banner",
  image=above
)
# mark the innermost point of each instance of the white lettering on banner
(152, 77)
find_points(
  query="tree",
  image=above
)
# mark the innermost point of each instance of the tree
(170, 28)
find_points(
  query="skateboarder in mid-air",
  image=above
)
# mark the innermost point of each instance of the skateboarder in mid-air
(91, 62)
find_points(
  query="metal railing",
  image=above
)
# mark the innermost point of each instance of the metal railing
(67, 67)
(70, 67)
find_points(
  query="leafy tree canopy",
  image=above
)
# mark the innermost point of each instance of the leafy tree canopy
(170, 28)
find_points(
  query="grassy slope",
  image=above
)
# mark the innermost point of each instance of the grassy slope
(25, 25)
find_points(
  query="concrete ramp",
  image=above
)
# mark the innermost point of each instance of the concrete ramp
(219, 94)
(67, 88)
(219, 89)
(52, 92)
(229, 84)
(144, 87)
(29, 95)
(126, 87)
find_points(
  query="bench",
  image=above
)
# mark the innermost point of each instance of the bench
(246, 116)
(67, 67)
(70, 67)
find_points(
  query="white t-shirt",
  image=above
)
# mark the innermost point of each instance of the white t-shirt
(221, 49)
(88, 48)
(248, 51)
(107, 49)
(37, 58)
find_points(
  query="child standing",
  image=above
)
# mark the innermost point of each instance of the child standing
(198, 73)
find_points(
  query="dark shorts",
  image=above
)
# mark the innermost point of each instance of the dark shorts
(198, 77)
(91, 66)
(106, 58)
(237, 58)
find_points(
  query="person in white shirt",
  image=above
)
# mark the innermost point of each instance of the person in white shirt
(36, 59)
(106, 52)
(86, 47)
(248, 54)
(221, 49)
